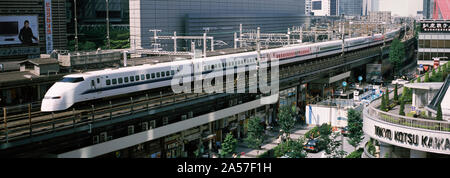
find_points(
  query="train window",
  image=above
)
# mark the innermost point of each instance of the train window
(108, 82)
(120, 80)
(142, 77)
(72, 79)
(172, 72)
(131, 79)
(163, 74)
(98, 80)
(204, 68)
(137, 78)
(153, 75)
(167, 73)
(92, 83)
(158, 74)
(147, 76)
(126, 79)
(114, 81)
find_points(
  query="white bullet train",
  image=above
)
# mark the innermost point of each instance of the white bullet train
(77, 88)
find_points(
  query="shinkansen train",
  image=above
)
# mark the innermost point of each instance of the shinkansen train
(102, 84)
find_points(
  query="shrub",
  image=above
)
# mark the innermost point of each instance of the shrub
(356, 154)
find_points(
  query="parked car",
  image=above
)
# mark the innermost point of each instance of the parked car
(345, 131)
(312, 146)
(400, 82)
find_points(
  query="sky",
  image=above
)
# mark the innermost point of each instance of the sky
(402, 7)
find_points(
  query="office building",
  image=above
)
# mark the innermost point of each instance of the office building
(434, 42)
(219, 19)
(351, 7)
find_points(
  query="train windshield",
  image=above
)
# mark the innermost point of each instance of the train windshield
(72, 79)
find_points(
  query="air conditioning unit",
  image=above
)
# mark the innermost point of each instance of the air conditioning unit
(190, 114)
(103, 137)
(144, 126)
(95, 139)
(152, 124)
(130, 129)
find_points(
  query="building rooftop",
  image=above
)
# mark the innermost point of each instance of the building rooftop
(425, 86)
(41, 61)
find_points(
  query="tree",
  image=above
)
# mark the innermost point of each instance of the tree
(427, 77)
(334, 146)
(396, 54)
(396, 93)
(439, 113)
(255, 133)
(383, 102)
(291, 148)
(286, 119)
(324, 135)
(402, 108)
(419, 80)
(228, 145)
(355, 124)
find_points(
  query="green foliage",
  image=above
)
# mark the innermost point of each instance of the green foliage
(356, 153)
(313, 133)
(291, 148)
(228, 145)
(396, 93)
(419, 80)
(383, 102)
(402, 108)
(355, 124)
(439, 113)
(427, 77)
(387, 98)
(255, 133)
(334, 147)
(371, 147)
(324, 135)
(93, 38)
(396, 54)
(286, 119)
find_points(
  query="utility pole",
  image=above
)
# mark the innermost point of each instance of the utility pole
(76, 26)
(258, 43)
(240, 35)
(343, 34)
(107, 25)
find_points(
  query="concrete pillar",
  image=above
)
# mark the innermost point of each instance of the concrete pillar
(385, 148)
(417, 154)
(210, 140)
(414, 98)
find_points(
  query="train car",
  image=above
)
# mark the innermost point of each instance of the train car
(77, 88)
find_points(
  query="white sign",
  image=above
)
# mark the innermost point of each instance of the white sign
(48, 26)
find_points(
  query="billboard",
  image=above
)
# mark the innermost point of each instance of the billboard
(13, 31)
(48, 26)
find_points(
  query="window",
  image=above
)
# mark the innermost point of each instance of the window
(163, 74)
(137, 78)
(114, 81)
(172, 72)
(108, 82)
(158, 74)
(131, 79)
(142, 77)
(120, 80)
(147, 76)
(72, 79)
(153, 75)
(168, 73)
(98, 80)
(92, 83)
(126, 79)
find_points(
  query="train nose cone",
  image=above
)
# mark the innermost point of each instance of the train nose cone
(50, 105)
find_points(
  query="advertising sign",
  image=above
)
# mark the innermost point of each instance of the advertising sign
(48, 26)
(435, 27)
(13, 31)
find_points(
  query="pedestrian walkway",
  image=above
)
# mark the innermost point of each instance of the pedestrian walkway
(271, 142)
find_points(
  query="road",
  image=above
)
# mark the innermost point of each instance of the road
(347, 147)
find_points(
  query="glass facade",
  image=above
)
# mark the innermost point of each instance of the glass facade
(333, 7)
(170, 15)
(351, 7)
